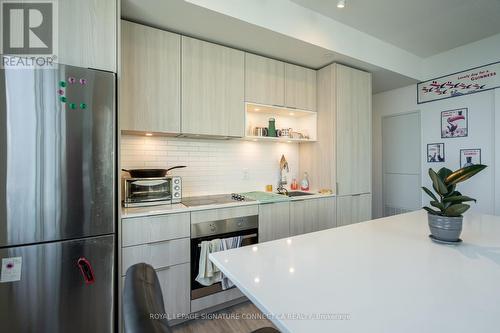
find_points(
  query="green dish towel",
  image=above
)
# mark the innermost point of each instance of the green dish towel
(265, 197)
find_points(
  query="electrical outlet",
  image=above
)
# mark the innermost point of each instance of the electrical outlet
(246, 174)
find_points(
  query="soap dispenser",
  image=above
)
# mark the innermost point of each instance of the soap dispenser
(304, 184)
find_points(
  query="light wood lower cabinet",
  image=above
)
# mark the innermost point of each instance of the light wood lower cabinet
(311, 215)
(353, 209)
(176, 288)
(158, 255)
(150, 229)
(213, 89)
(274, 221)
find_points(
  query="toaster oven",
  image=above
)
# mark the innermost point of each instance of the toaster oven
(138, 192)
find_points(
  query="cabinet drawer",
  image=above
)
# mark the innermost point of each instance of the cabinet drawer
(158, 255)
(142, 230)
(223, 213)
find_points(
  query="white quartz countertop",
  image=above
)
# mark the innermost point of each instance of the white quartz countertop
(384, 275)
(180, 208)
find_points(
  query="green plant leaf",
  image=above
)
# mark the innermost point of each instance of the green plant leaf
(463, 174)
(443, 173)
(429, 193)
(437, 183)
(451, 189)
(456, 210)
(458, 199)
(438, 205)
(431, 211)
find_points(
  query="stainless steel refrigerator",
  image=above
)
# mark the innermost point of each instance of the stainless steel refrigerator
(57, 200)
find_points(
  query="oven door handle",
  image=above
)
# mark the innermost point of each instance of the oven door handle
(242, 238)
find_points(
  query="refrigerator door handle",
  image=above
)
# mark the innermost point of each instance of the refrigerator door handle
(86, 270)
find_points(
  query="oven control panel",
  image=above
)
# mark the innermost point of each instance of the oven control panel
(224, 226)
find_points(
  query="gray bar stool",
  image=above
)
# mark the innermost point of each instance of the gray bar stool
(142, 296)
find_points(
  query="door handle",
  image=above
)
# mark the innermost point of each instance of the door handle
(86, 270)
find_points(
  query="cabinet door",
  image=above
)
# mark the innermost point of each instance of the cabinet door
(353, 209)
(304, 216)
(151, 79)
(364, 207)
(327, 211)
(212, 89)
(264, 80)
(176, 288)
(311, 215)
(300, 87)
(274, 221)
(353, 131)
(88, 33)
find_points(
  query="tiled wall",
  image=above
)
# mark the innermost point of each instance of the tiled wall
(213, 166)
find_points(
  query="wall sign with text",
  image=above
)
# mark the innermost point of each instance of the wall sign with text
(463, 83)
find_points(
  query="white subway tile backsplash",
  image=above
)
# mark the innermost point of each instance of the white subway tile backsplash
(213, 166)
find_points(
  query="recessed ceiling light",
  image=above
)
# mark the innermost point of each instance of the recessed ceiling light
(257, 109)
(291, 113)
(149, 134)
(341, 4)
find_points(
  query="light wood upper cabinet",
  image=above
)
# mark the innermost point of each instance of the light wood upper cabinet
(274, 221)
(88, 33)
(311, 215)
(150, 80)
(212, 89)
(264, 80)
(300, 87)
(353, 134)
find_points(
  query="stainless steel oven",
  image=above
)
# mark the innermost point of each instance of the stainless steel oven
(151, 191)
(246, 227)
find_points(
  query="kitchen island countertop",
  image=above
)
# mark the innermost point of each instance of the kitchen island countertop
(384, 275)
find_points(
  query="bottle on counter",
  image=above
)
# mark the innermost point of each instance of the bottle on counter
(294, 185)
(304, 184)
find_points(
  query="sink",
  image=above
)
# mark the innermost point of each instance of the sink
(296, 193)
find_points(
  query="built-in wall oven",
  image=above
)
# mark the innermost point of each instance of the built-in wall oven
(246, 227)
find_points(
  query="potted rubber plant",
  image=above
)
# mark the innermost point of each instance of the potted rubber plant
(445, 217)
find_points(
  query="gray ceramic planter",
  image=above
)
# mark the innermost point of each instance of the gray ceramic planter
(445, 228)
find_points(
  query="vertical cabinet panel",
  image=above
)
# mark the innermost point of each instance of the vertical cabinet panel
(311, 215)
(88, 33)
(150, 81)
(353, 209)
(300, 87)
(264, 80)
(304, 216)
(327, 208)
(353, 130)
(274, 221)
(212, 89)
(176, 288)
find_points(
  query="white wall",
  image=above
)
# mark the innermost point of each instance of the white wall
(213, 166)
(481, 135)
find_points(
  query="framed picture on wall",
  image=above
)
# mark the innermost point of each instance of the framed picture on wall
(454, 123)
(470, 157)
(435, 153)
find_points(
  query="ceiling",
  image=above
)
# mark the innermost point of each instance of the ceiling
(191, 20)
(423, 27)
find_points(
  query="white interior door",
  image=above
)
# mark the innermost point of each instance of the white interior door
(401, 163)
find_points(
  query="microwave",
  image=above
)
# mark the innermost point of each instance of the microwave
(138, 192)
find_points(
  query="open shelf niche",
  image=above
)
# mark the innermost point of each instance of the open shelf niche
(303, 124)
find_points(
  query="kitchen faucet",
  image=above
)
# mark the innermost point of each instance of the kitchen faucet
(283, 166)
